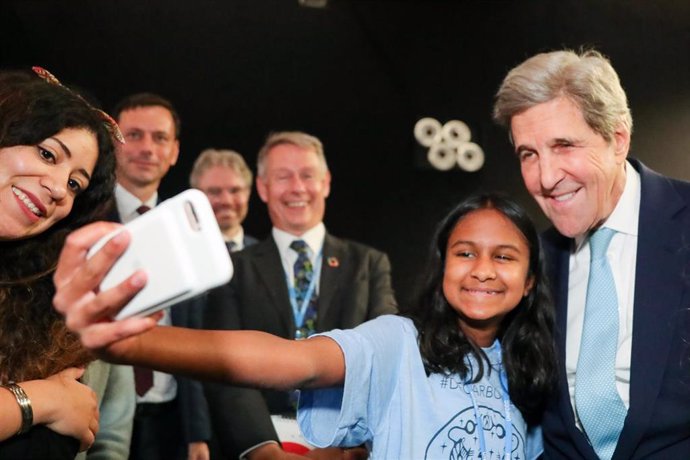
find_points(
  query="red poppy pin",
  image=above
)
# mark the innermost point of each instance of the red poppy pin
(333, 262)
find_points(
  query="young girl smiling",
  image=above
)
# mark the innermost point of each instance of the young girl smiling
(465, 373)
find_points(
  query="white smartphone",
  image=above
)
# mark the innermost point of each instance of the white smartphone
(179, 246)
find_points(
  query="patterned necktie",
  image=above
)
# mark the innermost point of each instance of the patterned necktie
(143, 376)
(599, 406)
(303, 274)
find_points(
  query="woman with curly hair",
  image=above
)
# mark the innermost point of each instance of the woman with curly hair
(56, 174)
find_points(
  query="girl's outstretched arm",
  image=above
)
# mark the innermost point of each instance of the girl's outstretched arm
(246, 358)
(241, 357)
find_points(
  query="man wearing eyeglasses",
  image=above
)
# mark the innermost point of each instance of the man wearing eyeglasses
(225, 178)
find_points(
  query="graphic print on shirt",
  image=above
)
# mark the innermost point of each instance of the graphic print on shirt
(459, 438)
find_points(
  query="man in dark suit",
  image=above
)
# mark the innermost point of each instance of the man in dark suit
(347, 284)
(225, 178)
(619, 257)
(171, 419)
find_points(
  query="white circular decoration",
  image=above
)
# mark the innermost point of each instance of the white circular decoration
(427, 131)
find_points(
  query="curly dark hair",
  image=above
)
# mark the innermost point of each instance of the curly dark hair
(526, 334)
(34, 342)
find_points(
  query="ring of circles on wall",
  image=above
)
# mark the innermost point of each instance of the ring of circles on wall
(449, 145)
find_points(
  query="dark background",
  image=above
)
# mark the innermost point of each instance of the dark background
(359, 74)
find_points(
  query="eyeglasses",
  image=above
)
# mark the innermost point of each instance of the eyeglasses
(217, 191)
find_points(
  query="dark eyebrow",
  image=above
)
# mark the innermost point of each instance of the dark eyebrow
(459, 242)
(522, 147)
(83, 171)
(509, 246)
(69, 155)
(564, 140)
(64, 147)
(472, 243)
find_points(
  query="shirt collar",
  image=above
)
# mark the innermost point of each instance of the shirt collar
(238, 239)
(127, 203)
(313, 237)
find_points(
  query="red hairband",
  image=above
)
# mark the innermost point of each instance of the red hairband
(110, 124)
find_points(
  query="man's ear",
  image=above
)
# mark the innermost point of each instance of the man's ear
(262, 189)
(327, 184)
(621, 142)
(175, 153)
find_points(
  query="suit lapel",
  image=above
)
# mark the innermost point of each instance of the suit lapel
(333, 265)
(249, 241)
(658, 293)
(269, 269)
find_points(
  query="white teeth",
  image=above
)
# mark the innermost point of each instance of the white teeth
(297, 204)
(25, 199)
(565, 197)
(481, 291)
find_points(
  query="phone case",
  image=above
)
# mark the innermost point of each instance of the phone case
(179, 245)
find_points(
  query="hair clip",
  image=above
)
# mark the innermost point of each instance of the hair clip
(108, 121)
(112, 126)
(47, 76)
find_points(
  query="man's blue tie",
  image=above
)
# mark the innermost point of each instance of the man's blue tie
(304, 272)
(599, 406)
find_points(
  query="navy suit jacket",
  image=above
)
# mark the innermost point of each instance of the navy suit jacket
(658, 422)
(192, 405)
(355, 286)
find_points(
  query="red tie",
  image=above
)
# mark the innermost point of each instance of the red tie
(143, 376)
(143, 379)
(142, 209)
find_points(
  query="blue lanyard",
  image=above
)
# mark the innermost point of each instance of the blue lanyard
(507, 407)
(298, 311)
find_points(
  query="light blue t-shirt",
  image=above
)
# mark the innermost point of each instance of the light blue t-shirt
(389, 403)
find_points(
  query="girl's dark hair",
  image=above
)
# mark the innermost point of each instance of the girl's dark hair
(34, 342)
(526, 334)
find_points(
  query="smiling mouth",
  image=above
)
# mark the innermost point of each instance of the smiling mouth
(142, 162)
(297, 204)
(25, 199)
(563, 197)
(482, 291)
